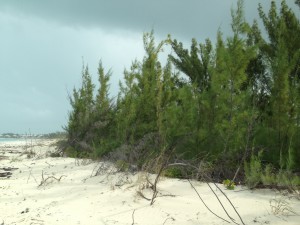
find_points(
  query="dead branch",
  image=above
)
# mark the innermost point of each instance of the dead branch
(151, 184)
(205, 203)
(155, 185)
(133, 217)
(164, 159)
(169, 218)
(188, 165)
(221, 204)
(48, 178)
(30, 175)
(50, 165)
(230, 203)
(143, 196)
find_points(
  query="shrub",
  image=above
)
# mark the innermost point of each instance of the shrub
(268, 177)
(122, 166)
(173, 172)
(287, 179)
(253, 171)
(55, 154)
(229, 184)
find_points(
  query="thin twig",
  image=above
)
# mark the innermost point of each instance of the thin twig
(133, 217)
(142, 195)
(155, 185)
(205, 203)
(188, 165)
(230, 203)
(169, 218)
(49, 164)
(30, 175)
(51, 177)
(221, 203)
(152, 185)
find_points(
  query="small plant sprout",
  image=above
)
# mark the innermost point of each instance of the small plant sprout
(229, 184)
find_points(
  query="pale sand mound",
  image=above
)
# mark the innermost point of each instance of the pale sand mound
(69, 193)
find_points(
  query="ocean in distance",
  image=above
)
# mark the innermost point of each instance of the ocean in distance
(11, 139)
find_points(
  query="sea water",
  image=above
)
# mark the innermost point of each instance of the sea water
(10, 139)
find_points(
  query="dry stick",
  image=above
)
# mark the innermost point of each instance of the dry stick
(133, 217)
(230, 203)
(155, 184)
(143, 196)
(30, 175)
(49, 164)
(205, 203)
(221, 204)
(183, 164)
(94, 170)
(44, 180)
(164, 165)
(169, 218)
(152, 185)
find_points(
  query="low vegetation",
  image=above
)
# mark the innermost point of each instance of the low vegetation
(231, 108)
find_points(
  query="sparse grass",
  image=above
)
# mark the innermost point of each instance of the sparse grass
(281, 206)
(268, 177)
(30, 154)
(253, 171)
(16, 159)
(173, 172)
(122, 166)
(55, 154)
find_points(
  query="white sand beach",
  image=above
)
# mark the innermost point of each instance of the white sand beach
(43, 191)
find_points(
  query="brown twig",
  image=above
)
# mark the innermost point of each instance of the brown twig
(221, 204)
(151, 184)
(133, 217)
(230, 204)
(30, 175)
(50, 177)
(143, 196)
(155, 185)
(188, 165)
(169, 218)
(205, 203)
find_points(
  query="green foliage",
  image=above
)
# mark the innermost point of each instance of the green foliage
(229, 184)
(268, 176)
(122, 165)
(287, 179)
(253, 171)
(194, 63)
(173, 172)
(220, 103)
(75, 153)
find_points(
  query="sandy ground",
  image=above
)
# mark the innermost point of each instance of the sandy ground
(42, 191)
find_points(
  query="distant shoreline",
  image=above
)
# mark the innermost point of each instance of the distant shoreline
(10, 139)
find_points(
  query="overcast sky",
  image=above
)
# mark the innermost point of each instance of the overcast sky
(43, 45)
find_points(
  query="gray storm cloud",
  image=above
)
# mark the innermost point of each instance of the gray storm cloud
(185, 19)
(43, 44)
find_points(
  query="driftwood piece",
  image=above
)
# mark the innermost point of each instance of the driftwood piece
(3, 157)
(8, 168)
(6, 171)
(5, 174)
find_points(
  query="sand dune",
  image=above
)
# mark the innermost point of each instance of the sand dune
(44, 190)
